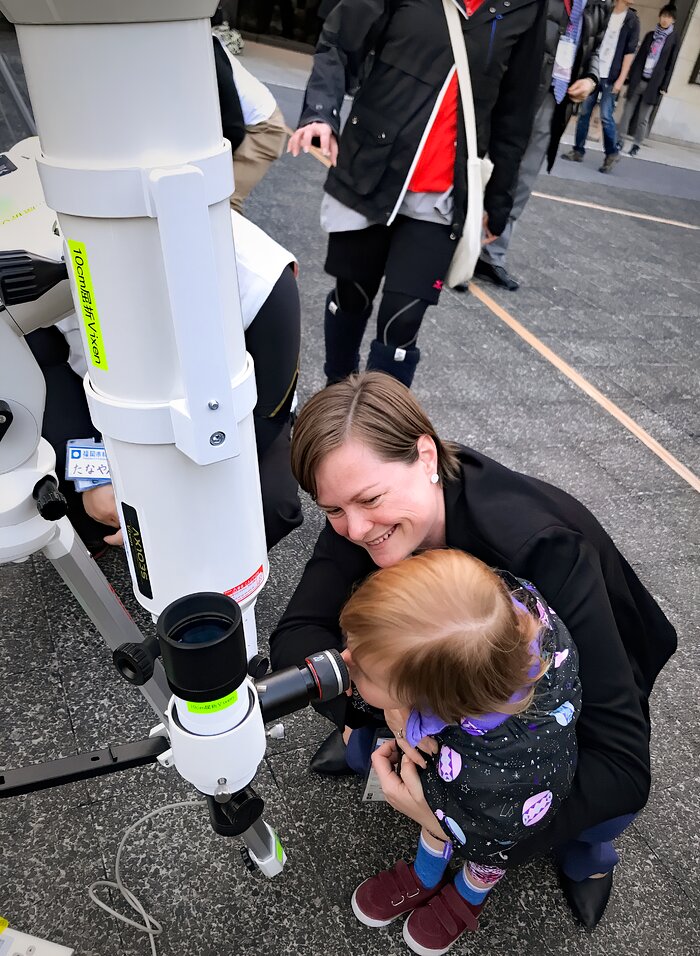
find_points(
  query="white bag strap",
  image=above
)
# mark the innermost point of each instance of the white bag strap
(454, 25)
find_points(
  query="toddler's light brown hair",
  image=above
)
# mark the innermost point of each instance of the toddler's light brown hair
(455, 642)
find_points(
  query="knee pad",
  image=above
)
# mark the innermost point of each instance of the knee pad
(399, 319)
(354, 298)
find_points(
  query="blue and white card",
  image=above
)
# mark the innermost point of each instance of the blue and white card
(86, 460)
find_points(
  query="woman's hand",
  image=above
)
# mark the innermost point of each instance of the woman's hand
(404, 791)
(99, 502)
(396, 721)
(304, 136)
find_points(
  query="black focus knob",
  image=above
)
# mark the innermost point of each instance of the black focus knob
(50, 503)
(134, 661)
(258, 666)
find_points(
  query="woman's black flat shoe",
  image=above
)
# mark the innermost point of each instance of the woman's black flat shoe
(587, 898)
(330, 757)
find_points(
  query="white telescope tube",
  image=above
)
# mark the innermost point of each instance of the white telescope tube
(134, 163)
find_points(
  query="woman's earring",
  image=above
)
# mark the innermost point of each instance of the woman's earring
(434, 479)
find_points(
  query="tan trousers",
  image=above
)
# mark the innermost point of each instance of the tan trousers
(263, 144)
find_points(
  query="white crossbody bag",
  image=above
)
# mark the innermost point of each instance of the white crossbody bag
(478, 170)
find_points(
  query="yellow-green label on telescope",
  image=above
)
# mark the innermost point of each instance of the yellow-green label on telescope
(88, 308)
(212, 706)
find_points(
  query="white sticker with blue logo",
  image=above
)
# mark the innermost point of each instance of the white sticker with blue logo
(86, 460)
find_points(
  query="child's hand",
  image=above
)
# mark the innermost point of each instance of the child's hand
(396, 721)
(427, 745)
(404, 791)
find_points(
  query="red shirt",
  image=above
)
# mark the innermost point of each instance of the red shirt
(434, 172)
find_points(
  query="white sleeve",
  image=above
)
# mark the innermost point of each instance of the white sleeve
(260, 262)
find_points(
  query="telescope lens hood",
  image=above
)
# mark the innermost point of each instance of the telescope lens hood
(202, 645)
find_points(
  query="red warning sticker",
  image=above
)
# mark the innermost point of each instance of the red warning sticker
(247, 587)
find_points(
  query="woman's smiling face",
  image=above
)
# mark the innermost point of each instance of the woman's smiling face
(387, 507)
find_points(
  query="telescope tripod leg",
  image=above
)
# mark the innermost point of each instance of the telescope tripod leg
(264, 848)
(93, 592)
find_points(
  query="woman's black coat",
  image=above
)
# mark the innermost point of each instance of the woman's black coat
(660, 75)
(537, 532)
(398, 54)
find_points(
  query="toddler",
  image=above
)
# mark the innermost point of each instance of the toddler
(478, 679)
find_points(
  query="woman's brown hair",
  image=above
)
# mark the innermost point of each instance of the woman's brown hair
(455, 642)
(373, 408)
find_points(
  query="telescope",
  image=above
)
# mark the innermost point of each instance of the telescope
(130, 228)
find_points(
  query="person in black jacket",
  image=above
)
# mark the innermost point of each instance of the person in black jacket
(569, 74)
(395, 197)
(650, 75)
(369, 456)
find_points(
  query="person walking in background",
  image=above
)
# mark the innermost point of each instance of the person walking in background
(615, 58)
(395, 198)
(650, 75)
(569, 74)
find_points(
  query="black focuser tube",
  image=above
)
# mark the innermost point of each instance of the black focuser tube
(322, 676)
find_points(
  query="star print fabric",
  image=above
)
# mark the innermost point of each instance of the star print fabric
(496, 779)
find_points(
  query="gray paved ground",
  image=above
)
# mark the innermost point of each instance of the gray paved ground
(617, 298)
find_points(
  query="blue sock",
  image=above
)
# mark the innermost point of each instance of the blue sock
(429, 865)
(472, 894)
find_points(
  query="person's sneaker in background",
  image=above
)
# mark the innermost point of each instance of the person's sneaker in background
(633, 150)
(609, 162)
(573, 156)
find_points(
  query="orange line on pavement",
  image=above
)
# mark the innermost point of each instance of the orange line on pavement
(629, 423)
(616, 211)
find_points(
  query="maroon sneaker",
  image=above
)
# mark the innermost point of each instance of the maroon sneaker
(390, 894)
(432, 929)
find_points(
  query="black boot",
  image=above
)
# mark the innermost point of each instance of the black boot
(343, 333)
(587, 898)
(401, 363)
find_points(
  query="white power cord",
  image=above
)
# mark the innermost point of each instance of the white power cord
(150, 925)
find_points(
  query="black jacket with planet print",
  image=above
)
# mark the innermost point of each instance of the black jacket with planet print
(498, 779)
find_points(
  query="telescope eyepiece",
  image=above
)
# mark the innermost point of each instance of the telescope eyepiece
(202, 645)
(322, 676)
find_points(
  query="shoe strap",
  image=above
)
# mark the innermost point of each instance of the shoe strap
(400, 883)
(448, 907)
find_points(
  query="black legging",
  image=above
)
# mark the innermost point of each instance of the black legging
(399, 318)
(273, 340)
